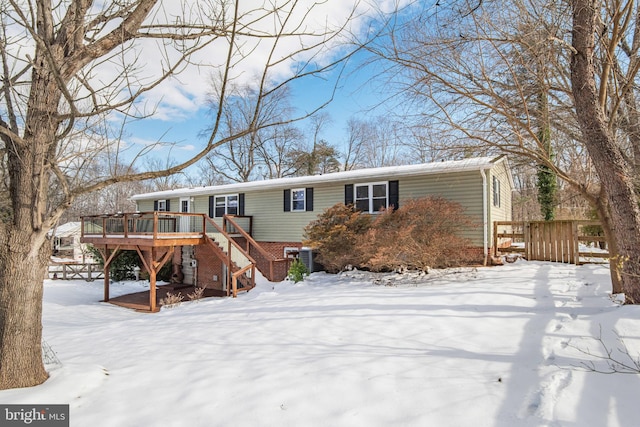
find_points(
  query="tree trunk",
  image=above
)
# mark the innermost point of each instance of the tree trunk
(24, 248)
(602, 209)
(616, 176)
(21, 274)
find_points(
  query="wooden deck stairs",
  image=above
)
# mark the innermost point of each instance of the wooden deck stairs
(155, 235)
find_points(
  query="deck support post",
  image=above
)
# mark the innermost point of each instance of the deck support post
(108, 257)
(153, 262)
(152, 284)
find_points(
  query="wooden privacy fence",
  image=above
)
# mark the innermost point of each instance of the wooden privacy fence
(569, 241)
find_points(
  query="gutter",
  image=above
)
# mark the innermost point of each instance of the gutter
(485, 219)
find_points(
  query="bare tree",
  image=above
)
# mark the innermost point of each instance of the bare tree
(71, 68)
(376, 142)
(470, 70)
(276, 154)
(353, 146)
(241, 160)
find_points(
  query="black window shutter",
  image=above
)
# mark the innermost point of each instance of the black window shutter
(211, 212)
(168, 205)
(241, 204)
(287, 200)
(309, 199)
(348, 194)
(394, 194)
(155, 205)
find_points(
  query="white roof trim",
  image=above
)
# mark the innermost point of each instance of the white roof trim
(478, 163)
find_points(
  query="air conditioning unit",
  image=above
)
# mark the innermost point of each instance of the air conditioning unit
(307, 257)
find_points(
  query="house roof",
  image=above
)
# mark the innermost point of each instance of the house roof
(66, 230)
(478, 163)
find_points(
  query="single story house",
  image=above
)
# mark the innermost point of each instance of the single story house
(66, 242)
(273, 213)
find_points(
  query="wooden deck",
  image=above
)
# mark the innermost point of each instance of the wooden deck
(139, 301)
(155, 236)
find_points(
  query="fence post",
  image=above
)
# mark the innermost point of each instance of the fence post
(575, 243)
(527, 239)
(495, 239)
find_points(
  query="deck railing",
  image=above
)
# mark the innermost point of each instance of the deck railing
(143, 224)
(164, 225)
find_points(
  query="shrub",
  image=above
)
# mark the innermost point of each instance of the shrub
(297, 271)
(121, 268)
(171, 300)
(424, 233)
(123, 264)
(196, 294)
(336, 236)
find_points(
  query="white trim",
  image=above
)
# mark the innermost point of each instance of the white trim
(304, 199)
(188, 200)
(226, 203)
(390, 172)
(485, 218)
(370, 186)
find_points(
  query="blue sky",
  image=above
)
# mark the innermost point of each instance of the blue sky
(354, 97)
(182, 115)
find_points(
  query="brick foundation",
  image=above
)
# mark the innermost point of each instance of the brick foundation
(276, 249)
(209, 265)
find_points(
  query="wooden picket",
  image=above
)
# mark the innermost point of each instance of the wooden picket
(555, 241)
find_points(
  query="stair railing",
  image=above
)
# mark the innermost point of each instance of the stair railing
(237, 260)
(272, 261)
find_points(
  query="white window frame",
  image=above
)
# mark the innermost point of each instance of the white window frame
(162, 205)
(370, 197)
(303, 191)
(226, 204)
(496, 192)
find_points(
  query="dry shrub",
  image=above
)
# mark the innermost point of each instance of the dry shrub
(196, 294)
(424, 233)
(336, 237)
(171, 300)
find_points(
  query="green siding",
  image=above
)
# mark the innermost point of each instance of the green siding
(145, 205)
(502, 212)
(272, 224)
(463, 188)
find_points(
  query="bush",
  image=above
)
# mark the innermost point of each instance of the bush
(297, 271)
(422, 234)
(171, 300)
(122, 266)
(336, 237)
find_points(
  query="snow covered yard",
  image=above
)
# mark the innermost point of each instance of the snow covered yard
(499, 346)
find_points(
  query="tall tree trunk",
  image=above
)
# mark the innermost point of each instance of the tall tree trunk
(21, 274)
(616, 176)
(24, 247)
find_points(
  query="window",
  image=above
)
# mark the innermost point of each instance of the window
(298, 200)
(226, 205)
(496, 192)
(162, 206)
(371, 197)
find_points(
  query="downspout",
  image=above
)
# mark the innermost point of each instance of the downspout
(485, 224)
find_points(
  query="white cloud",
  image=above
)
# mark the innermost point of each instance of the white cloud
(178, 97)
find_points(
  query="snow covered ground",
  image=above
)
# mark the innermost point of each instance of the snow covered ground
(502, 346)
